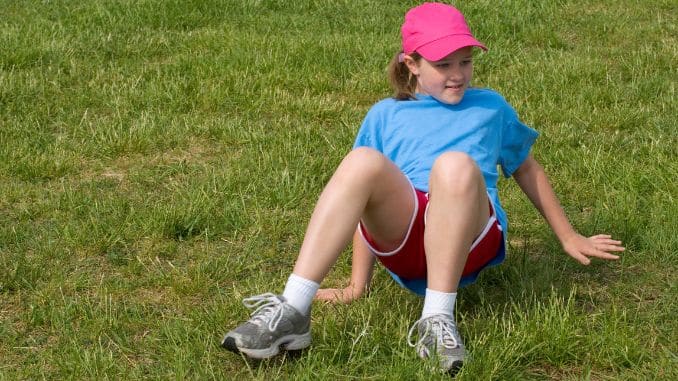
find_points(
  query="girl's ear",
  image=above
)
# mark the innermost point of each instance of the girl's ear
(411, 64)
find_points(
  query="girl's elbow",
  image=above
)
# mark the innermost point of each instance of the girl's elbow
(529, 167)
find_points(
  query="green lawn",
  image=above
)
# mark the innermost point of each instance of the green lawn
(159, 160)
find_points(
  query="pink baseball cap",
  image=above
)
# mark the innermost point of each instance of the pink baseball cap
(435, 30)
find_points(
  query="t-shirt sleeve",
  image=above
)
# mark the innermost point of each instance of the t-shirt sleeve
(517, 140)
(369, 134)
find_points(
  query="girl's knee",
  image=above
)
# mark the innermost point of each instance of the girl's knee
(365, 160)
(455, 171)
(365, 153)
(455, 163)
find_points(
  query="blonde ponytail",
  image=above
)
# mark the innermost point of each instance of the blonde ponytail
(403, 82)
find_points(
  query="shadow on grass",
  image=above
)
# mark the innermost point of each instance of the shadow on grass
(276, 361)
(537, 272)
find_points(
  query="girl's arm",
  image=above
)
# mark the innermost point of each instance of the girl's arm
(532, 179)
(362, 265)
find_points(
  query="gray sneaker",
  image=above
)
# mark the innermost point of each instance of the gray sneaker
(438, 336)
(273, 324)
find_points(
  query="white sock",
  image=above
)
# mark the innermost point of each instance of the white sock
(299, 293)
(436, 302)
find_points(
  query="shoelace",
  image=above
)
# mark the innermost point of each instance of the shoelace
(268, 308)
(447, 328)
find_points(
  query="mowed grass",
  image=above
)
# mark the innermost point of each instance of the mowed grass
(159, 161)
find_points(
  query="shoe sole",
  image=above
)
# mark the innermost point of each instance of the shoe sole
(289, 343)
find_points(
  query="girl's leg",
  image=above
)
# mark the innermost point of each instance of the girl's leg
(458, 211)
(366, 186)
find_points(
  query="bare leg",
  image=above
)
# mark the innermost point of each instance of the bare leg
(457, 213)
(365, 185)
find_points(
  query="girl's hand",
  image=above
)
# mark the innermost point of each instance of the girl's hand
(339, 295)
(599, 246)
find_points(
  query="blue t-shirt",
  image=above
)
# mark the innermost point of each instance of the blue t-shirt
(413, 133)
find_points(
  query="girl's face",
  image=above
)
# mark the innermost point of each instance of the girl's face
(445, 80)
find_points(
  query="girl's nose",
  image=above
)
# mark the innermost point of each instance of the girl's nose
(455, 72)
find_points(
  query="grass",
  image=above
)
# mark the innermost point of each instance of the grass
(159, 160)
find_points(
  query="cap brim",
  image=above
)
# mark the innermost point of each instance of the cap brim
(441, 48)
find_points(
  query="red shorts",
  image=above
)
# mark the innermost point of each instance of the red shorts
(409, 260)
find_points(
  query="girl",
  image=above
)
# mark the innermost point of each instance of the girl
(420, 185)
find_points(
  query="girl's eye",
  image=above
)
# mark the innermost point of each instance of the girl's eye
(443, 64)
(466, 62)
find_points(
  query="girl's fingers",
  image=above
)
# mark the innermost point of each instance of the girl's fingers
(604, 242)
(328, 294)
(601, 254)
(608, 256)
(611, 248)
(609, 241)
(604, 238)
(581, 258)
